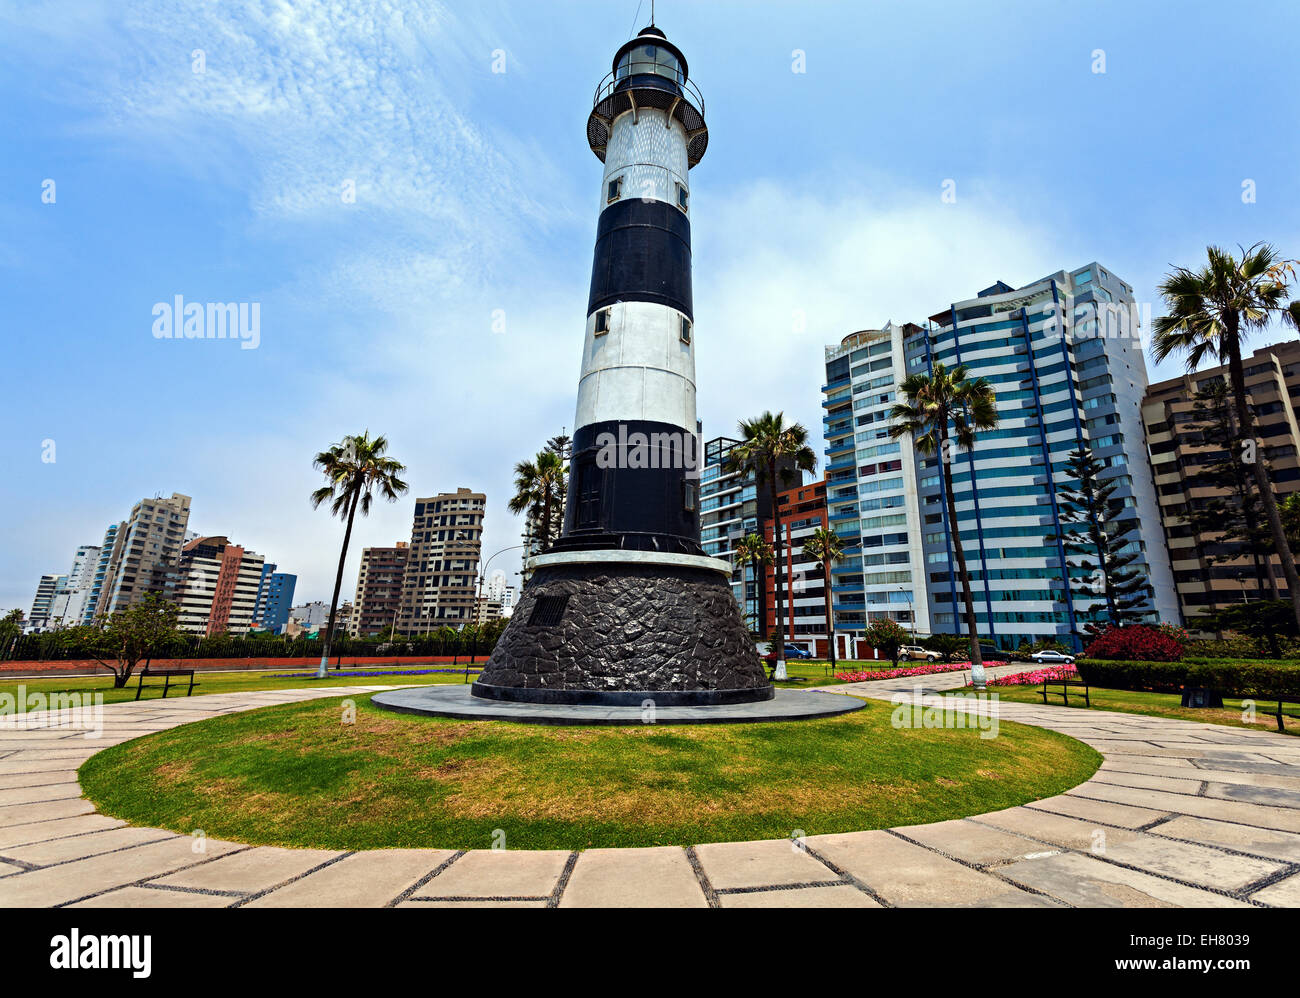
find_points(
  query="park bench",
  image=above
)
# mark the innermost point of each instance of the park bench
(1280, 701)
(1064, 691)
(167, 681)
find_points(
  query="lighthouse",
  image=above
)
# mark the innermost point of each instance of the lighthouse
(626, 607)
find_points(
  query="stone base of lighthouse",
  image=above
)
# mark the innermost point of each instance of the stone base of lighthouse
(618, 628)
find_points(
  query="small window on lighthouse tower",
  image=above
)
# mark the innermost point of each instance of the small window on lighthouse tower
(615, 190)
(683, 196)
(602, 322)
(686, 330)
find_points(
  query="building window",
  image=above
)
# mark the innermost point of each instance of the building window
(602, 321)
(686, 329)
(683, 197)
(615, 190)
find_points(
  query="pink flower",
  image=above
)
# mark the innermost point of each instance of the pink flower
(916, 670)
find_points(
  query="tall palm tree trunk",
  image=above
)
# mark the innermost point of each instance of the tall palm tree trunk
(976, 659)
(338, 584)
(779, 671)
(1246, 417)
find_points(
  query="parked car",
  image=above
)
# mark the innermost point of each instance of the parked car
(1050, 657)
(915, 653)
(791, 651)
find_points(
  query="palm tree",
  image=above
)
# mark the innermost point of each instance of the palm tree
(355, 469)
(769, 450)
(756, 552)
(539, 492)
(941, 408)
(826, 547)
(1211, 311)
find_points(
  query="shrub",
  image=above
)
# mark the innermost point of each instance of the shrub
(1138, 642)
(1238, 679)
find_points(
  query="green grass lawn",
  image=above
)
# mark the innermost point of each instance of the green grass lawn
(296, 775)
(222, 682)
(1158, 705)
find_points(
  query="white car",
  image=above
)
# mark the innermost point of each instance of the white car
(915, 653)
(1050, 657)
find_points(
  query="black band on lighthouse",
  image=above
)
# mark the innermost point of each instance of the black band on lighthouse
(643, 253)
(633, 485)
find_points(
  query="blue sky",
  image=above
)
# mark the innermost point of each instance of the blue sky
(816, 212)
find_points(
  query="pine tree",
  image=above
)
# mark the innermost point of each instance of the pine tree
(1094, 540)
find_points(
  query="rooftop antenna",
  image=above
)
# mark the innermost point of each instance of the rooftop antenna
(652, 13)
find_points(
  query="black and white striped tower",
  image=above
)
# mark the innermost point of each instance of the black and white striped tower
(626, 606)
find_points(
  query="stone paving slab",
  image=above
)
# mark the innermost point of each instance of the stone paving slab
(1180, 814)
(973, 843)
(1196, 864)
(1102, 812)
(830, 896)
(1244, 838)
(1284, 894)
(145, 897)
(360, 880)
(83, 846)
(1088, 882)
(499, 873)
(249, 871)
(903, 874)
(634, 878)
(1055, 829)
(771, 863)
(21, 835)
(56, 885)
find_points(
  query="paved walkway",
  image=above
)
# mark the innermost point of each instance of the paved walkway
(1180, 814)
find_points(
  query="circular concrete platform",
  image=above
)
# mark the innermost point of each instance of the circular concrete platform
(457, 702)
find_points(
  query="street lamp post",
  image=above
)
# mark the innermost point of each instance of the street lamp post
(911, 618)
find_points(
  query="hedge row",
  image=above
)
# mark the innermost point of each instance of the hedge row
(55, 646)
(1234, 679)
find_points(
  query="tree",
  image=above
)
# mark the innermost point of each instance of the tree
(1211, 312)
(825, 546)
(947, 645)
(770, 451)
(1290, 509)
(886, 635)
(355, 469)
(540, 488)
(942, 409)
(756, 552)
(11, 628)
(1264, 621)
(117, 643)
(1090, 506)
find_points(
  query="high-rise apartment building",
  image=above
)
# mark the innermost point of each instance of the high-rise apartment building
(803, 602)
(1064, 357)
(379, 589)
(68, 607)
(42, 605)
(1210, 570)
(438, 587)
(871, 485)
(274, 598)
(733, 504)
(91, 609)
(218, 587)
(145, 555)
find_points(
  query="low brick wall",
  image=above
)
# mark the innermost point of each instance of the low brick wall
(87, 666)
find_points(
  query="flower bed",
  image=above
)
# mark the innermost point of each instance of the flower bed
(366, 675)
(868, 675)
(1035, 676)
